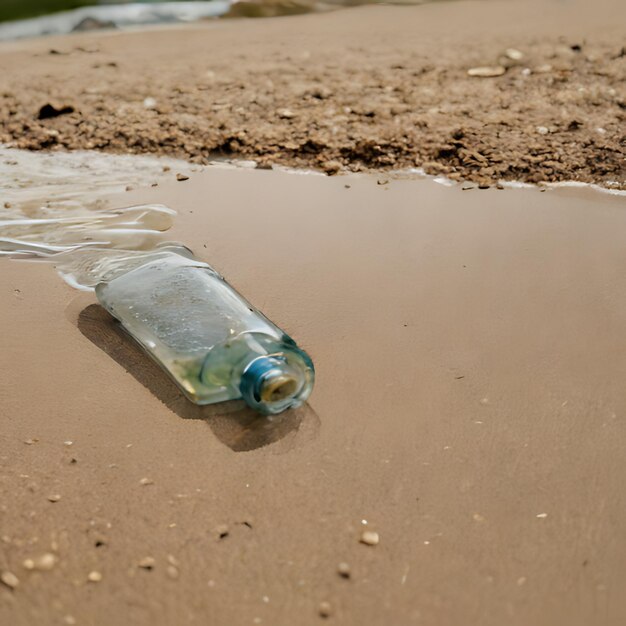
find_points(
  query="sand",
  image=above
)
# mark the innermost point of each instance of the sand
(469, 408)
(365, 88)
(469, 412)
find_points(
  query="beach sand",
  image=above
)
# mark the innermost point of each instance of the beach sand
(470, 344)
(469, 408)
(366, 88)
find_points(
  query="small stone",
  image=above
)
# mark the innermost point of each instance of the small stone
(286, 114)
(94, 577)
(513, 54)
(542, 515)
(30, 442)
(172, 560)
(68, 443)
(486, 71)
(69, 619)
(146, 481)
(55, 497)
(149, 103)
(181, 177)
(7, 205)
(42, 563)
(343, 569)
(147, 563)
(9, 579)
(325, 610)
(543, 69)
(48, 111)
(172, 572)
(542, 130)
(369, 538)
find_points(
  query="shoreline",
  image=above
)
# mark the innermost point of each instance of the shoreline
(305, 91)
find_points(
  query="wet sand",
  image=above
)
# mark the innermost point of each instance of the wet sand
(470, 405)
(367, 88)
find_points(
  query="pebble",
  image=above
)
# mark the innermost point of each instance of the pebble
(286, 114)
(147, 563)
(542, 130)
(486, 71)
(42, 563)
(343, 569)
(30, 442)
(149, 103)
(48, 111)
(369, 538)
(94, 577)
(513, 54)
(172, 572)
(181, 177)
(55, 497)
(9, 579)
(325, 610)
(146, 481)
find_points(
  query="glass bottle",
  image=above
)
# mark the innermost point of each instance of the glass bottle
(208, 338)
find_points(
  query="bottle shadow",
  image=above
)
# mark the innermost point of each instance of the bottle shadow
(234, 423)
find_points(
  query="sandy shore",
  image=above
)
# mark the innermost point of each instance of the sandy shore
(366, 88)
(471, 352)
(470, 344)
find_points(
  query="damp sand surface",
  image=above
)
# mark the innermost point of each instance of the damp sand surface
(484, 90)
(460, 460)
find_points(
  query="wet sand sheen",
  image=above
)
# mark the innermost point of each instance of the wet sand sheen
(471, 351)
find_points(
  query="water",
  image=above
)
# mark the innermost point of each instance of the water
(53, 208)
(113, 15)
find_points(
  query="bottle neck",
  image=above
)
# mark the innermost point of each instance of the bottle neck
(270, 384)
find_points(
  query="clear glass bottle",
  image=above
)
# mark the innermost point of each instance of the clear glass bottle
(208, 338)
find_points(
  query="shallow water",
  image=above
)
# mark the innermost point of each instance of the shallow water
(53, 209)
(118, 16)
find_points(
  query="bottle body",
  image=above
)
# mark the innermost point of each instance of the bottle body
(210, 340)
